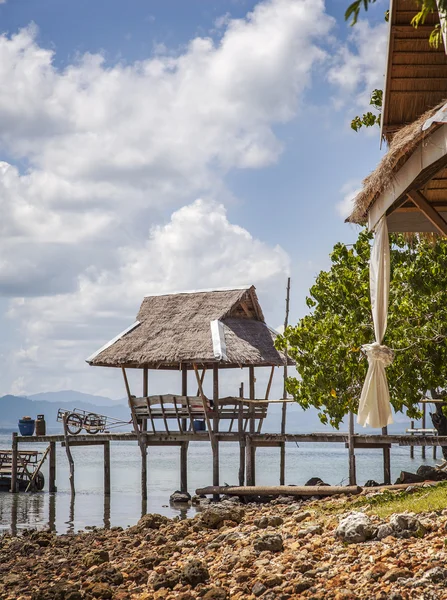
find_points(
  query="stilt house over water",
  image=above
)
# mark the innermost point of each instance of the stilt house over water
(204, 332)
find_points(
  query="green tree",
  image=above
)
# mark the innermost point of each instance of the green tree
(326, 344)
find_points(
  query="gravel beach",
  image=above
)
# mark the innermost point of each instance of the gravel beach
(320, 549)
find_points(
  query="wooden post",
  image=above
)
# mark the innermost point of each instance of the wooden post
(184, 467)
(352, 471)
(434, 452)
(106, 511)
(145, 391)
(412, 447)
(52, 469)
(69, 457)
(216, 427)
(386, 461)
(14, 461)
(251, 457)
(282, 465)
(184, 391)
(143, 448)
(14, 511)
(240, 424)
(107, 468)
(424, 413)
(52, 512)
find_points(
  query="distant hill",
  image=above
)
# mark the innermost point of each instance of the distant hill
(13, 408)
(73, 397)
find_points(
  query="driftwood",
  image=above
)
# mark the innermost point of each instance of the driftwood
(279, 490)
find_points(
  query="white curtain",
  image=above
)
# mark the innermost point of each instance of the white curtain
(374, 406)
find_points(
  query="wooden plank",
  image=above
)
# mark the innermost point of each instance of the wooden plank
(279, 490)
(368, 446)
(164, 414)
(205, 408)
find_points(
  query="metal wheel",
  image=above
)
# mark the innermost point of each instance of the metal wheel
(39, 481)
(93, 423)
(74, 423)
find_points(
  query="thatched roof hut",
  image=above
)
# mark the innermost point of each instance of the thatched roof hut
(224, 327)
(416, 75)
(409, 185)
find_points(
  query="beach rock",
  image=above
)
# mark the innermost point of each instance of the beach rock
(152, 521)
(435, 575)
(301, 516)
(258, 589)
(431, 473)
(311, 530)
(165, 580)
(99, 590)
(97, 557)
(216, 593)
(371, 483)
(213, 517)
(265, 522)
(271, 543)
(195, 572)
(403, 525)
(397, 573)
(315, 481)
(355, 528)
(180, 497)
(302, 585)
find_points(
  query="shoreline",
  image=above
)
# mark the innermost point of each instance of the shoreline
(280, 550)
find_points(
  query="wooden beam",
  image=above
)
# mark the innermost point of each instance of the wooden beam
(246, 310)
(432, 215)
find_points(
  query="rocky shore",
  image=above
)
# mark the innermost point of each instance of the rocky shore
(327, 549)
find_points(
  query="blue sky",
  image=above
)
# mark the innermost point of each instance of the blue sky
(120, 116)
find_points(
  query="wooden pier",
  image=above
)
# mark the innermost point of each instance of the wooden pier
(251, 442)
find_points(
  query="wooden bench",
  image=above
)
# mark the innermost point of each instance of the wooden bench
(184, 410)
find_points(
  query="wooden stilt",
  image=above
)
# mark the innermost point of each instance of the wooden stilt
(216, 427)
(14, 462)
(14, 511)
(251, 462)
(249, 457)
(184, 392)
(240, 424)
(106, 511)
(424, 414)
(386, 461)
(412, 447)
(184, 467)
(282, 460)
(107, 468)
(145, 391)
(52, 469)
(52, 512)
(434, 452)
(143, 449)
(70, 458)
(352, 471)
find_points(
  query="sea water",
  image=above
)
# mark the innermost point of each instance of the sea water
(63, 513)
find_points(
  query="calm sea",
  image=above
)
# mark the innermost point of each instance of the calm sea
(59, 512)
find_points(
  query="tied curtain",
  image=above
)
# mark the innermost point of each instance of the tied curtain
(374, 405)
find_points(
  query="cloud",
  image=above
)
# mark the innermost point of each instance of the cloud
(197, 248)
(96, 150)
(359, 66)
(349, 190)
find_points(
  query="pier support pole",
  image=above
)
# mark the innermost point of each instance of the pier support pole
(352, 471)
(70, 459)
(107, 468)
(386, 461)
(251, 450)
(184, 467)
(52, 469)
(249, 457)
(14, 460)
(216, 427)
(424, 414)
(240, 424)
(412, 447)
(143, 448)
(282, 459)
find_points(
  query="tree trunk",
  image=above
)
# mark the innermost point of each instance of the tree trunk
(439, 421)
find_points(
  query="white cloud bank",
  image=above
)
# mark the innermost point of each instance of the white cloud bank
(95, 154)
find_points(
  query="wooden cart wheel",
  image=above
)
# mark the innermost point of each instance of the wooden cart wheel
(74, 423)
(93, 423)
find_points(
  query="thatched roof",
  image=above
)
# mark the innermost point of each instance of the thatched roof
(416, 74)
(404, 143)
(220, 326)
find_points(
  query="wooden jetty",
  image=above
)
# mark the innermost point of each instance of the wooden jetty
(205, 334)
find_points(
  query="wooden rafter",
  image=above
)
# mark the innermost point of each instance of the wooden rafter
(427, 209)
